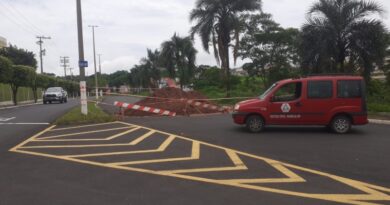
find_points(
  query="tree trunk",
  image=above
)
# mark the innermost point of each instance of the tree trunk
(14, 94)
(224, 55)
(35, 93)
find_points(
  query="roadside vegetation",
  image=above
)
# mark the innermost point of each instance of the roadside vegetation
(95, 115)
(338, 37)
(18, 76)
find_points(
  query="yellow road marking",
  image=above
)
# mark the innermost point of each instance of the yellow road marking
(372, 194)
(80, 133)
(83, 126)
(194, 155)
(91, 139)
(162, 148)
(239, 165)
(142, 138)
(32, 138)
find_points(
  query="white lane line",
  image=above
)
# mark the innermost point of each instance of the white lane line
(6, 119)
(25, 123)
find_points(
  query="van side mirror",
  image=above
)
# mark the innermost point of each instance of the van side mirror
(273, 98)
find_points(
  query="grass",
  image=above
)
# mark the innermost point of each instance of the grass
(95, 115)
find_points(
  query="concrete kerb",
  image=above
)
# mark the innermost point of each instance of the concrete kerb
(380, 122)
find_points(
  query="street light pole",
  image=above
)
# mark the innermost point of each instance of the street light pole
(83, 86)
(100, 64)
(94, 61)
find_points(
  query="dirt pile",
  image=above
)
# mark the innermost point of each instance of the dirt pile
(174, 100)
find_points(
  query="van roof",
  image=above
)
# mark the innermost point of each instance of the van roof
(326, 77)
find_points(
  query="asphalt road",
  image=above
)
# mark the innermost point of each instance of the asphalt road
(46, 169)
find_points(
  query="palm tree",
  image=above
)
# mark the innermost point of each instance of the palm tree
(217, 22)
(150, 66)
(339, 36)
(178, 55)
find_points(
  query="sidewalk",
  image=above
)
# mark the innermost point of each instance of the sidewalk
(10, 104)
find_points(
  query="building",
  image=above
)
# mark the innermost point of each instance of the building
(3, 42)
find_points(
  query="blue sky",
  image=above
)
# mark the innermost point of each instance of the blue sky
(126, 27)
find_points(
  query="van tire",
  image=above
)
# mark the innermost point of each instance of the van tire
(255, 123)
(341, 124)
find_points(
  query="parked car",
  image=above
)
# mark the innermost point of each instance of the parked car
(334, 101)
(55, 94)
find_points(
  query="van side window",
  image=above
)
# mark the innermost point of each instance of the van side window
(349, 89)
(319, 89)
(288, 92)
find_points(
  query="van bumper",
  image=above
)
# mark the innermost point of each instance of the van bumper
(360, 118)
(239, 117)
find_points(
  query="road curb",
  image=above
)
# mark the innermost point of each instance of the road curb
(22, 105)
(381, 122)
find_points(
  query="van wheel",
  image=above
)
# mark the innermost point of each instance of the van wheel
(255, 123)
(341, 124)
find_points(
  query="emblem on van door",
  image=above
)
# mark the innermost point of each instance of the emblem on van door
(286, 107)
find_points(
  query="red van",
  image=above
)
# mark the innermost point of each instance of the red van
(334, 101)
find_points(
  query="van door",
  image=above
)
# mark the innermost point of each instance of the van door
(318, 101)
(285, 105)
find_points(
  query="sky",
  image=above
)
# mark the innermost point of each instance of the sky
(126, 28)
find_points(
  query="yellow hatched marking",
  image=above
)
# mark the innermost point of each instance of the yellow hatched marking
(91, 139)
(292, 177)
(372, 196)
(142, 138)
(194, 155)
(239, 165)
(15, 149)
(80, 133)
(162, 148)
(83, 126)
(132, 143)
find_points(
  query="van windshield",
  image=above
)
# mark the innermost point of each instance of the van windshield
(265, 94)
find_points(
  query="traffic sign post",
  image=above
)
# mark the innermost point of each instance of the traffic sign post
(84, 101)
(83, 64)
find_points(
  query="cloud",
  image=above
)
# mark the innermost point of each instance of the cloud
(119, 63)
(126, 27)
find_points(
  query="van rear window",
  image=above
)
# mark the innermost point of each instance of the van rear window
(320, 89)
(349, 89)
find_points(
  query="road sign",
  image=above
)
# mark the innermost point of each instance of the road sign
(83, 64)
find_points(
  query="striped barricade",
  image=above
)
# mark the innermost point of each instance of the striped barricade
(208, 106)
(145, 109)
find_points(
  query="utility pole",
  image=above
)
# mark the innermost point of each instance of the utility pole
(71, 72)
(94, 60)
(83, 86)
(100, 64)
(64, 63)
(42, 52)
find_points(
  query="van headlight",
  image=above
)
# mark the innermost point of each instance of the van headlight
(237, 107)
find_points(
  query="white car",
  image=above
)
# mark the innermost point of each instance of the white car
(55, 94)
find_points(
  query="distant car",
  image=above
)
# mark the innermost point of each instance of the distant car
(55, 94)
(334, 101)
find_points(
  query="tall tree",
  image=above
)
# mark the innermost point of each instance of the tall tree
(271, 49)
(387, 61)
(342, 36)
(5, 69)
(19, 56)
(151, 65)
(21, 76)
(119, 78)
(217, 22)
(178, 56)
